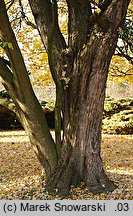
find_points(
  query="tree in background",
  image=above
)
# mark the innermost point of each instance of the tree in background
(121, 67)
(79, 68)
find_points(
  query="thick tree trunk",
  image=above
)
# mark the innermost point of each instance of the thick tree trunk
(84, 94)
(85, 64)
(90, 48)
(82, 119)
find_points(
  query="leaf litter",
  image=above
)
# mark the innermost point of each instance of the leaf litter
(21, 173)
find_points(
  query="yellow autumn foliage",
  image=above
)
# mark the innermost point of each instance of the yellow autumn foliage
(36, 57)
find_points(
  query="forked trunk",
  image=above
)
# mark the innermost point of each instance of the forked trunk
(80, 72)
(82, 117)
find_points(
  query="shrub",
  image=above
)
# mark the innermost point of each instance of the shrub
(118, 116)
(115, 106)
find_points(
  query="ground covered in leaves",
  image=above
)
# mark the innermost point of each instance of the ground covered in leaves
(20, 172)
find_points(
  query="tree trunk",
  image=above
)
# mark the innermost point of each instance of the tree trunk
(16, 81)
(85, 62)
(82, 116)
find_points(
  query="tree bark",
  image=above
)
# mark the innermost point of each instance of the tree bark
(92, 40)
(83, 99)
(16, 81)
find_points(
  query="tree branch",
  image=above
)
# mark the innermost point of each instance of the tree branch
(5, 73)
(129, 58)
(103, 6)
(118, 8)
(54, 43)
(51, 39)
(120, 72)
(112, 15)
(9, 105)
(56, 77)
(122, 54)
(44, 9)
(20, 75)
(78, 24)
(25, 18)
(10, 4)
(7, 79)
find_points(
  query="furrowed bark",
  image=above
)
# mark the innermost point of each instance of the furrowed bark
(87, 58)
(54, 44)
(56, 77)
(78, 23)
(90, 48)
(83, 109)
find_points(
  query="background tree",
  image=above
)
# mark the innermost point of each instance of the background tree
(121, 67)
(79, 68)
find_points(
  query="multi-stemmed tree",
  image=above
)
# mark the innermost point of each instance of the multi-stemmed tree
(79, 69)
